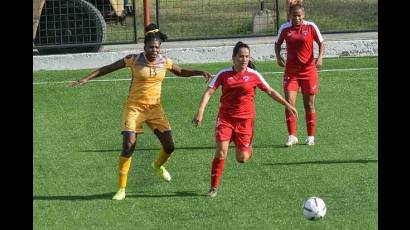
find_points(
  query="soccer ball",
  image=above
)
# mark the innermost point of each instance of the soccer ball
(314, 208)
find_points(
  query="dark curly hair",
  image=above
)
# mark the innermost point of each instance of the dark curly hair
(152, 33)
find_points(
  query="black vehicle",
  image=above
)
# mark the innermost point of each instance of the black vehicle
(73, 26)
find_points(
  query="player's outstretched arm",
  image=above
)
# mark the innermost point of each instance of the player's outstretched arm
(277, 97)
(99, 72)
(204, 101)
(180, 72)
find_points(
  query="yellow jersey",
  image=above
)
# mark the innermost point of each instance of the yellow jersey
(147, 78)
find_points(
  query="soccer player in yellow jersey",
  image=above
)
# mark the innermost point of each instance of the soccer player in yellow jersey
(143, 103)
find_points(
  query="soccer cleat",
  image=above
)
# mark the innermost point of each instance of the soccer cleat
(120, 195)
(212, 192)
(310, 140)
(292, 140)
(162, 172)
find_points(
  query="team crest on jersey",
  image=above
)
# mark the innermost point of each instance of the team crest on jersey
(305, 33)
(245, 78)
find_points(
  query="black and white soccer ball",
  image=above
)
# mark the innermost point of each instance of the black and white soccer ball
(314, 208)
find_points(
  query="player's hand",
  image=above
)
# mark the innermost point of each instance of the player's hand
(196, 121)
(207, 76)
(292, 110)
(280, 61)
(78, 82)
(319, 62)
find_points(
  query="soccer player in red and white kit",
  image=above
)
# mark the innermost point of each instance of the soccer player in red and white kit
(300, 70)
(237, 110)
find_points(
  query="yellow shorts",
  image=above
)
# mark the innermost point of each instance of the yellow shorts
(135, 116)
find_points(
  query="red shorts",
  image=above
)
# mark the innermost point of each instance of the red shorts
(238, 130)
(309, 83)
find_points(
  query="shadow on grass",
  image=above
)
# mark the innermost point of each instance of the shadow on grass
(323, 162)
(103, 196)
(174, 194)
(176, 149)
(136, 149)
(108, 196)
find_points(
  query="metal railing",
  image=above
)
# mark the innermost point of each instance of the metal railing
(66, 26)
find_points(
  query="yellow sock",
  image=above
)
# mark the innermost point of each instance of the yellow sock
(124, 166)
(162, 158)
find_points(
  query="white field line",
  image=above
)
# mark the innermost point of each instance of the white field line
(263, 73)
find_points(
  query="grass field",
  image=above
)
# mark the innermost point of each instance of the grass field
(77, 142)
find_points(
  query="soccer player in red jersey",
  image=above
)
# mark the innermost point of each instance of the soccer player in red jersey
(237, 110)
(300, 70)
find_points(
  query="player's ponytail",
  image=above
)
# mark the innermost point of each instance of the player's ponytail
(152, 33)
(295, 2)
(295, 5)
(236, 49)
(251, 64)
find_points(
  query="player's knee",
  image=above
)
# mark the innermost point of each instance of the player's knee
(310, 107)
(127, 153)
(166, 139)
(221, 155)
(128, 144)
(243, 157)
(169, 147)
(128, 149)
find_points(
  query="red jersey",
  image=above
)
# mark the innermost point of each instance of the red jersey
(238, 92)
(299, 45)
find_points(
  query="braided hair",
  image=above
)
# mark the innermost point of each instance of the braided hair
(152, 33)
(236, 49)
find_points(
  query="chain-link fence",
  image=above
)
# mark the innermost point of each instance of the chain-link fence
(64, 26)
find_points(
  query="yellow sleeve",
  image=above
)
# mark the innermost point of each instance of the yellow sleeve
(168, 63)
(129, 60)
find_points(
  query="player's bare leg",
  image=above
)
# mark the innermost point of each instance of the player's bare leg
(243, 156)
